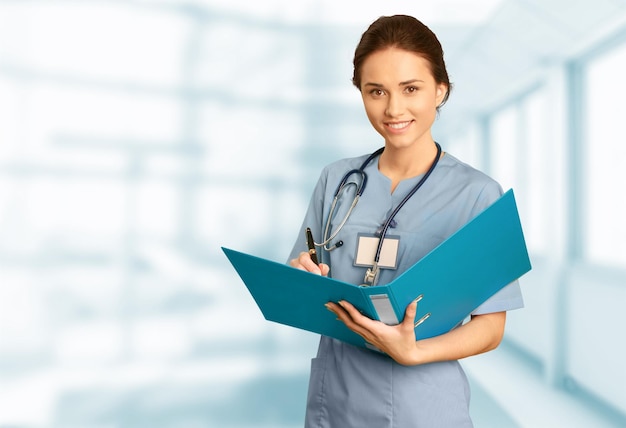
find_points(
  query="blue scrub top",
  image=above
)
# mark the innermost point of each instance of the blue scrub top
(355, 387)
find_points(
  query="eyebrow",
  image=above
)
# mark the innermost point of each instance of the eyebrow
(407, 82)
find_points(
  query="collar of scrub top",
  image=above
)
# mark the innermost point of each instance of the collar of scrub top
(371, 275)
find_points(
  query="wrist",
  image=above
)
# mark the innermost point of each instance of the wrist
(421, 353)
(413, 356)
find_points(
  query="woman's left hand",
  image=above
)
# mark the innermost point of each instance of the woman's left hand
(480, 334)
(397, 341)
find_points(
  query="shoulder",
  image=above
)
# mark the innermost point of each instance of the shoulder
(478, 188)
(350, 163)
(332, 174)
(340, 167)
(462, 171)
(456, 170)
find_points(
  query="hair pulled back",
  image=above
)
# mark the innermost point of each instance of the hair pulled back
(402, 32)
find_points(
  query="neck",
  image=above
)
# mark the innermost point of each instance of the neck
(400, 164)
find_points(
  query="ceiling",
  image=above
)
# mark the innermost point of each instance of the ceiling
(494, 49)
(492, 61)
(352, 13)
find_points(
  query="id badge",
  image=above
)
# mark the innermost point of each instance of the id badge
(366, 251)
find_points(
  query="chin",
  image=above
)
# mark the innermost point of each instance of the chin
(401, 142)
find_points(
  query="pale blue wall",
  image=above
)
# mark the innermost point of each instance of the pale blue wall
(136, 138)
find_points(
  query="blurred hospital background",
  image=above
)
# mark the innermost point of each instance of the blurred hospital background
(138, 137)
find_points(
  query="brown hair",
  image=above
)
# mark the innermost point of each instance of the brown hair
(403, 32)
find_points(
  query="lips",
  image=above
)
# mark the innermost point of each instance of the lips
(398, 126)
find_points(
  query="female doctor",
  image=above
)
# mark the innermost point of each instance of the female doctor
(428, 194)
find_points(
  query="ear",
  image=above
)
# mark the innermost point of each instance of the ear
(442, 88)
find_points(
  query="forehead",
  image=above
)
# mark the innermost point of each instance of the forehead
(393, 65)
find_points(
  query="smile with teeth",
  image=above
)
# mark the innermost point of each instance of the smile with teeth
(398, 125)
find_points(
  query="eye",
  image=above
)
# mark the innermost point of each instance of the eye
(411, 89)
(376, 92)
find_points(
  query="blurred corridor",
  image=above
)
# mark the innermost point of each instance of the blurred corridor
(137, 137)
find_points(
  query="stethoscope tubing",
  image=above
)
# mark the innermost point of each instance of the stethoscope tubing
(415, 188)
(372, 274)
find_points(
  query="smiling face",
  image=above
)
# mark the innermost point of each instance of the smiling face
(400, 96)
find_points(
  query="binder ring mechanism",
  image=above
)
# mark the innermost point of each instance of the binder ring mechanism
(425, 317)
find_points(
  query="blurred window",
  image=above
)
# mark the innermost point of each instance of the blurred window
(535, 203)
(517, 160)
(503, 135)
(604, 159)
(466, 147)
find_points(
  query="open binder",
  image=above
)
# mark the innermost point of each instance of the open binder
(453, 279)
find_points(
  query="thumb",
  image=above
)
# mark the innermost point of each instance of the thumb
(324, 268)
(409, 314)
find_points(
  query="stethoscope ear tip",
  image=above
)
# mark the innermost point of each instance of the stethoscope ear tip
(334, 247)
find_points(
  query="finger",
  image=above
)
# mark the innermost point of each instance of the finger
(338, 310)
(409, 315)
(324, 268)
(357, 317)
(364, 327)
(309, 265)
(347, 319)
(304, 262)
(296, 263)
(349, 308)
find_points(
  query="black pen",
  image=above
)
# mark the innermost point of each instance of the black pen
(311, 244)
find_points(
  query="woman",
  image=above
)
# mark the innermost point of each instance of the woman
(400, 72)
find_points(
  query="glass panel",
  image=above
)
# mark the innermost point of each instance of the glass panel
(466, 147)
(534, 206)
(604, 159)
(502, 142)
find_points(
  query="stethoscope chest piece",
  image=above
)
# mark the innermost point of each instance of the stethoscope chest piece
(371, 276)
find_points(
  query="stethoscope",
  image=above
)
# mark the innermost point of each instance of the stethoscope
(371, 275)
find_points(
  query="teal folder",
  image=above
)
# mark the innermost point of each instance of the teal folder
(453, 279)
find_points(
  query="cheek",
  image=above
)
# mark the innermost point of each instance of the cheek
(372, 112)
(375, 119)
(426, 105)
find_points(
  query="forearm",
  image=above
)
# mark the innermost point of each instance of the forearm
(481, 334)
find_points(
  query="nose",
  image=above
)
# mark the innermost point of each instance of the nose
(395, 106)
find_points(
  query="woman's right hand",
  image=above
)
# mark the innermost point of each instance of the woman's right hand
(304, 262)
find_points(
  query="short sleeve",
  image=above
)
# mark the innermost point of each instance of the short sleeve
(313, 216)
(507, 299)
